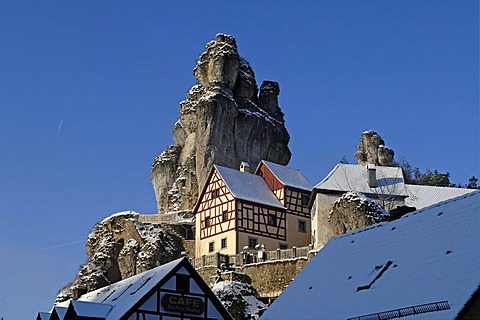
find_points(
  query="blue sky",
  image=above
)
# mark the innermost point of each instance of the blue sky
(89, 93)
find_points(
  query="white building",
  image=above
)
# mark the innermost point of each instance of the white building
(384, 185)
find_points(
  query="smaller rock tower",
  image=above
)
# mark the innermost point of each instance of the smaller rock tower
(372, 150)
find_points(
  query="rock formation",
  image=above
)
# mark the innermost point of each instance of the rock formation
(372, 150)
(224, 120)
(353, 211)
(240, 299)
(119, 247)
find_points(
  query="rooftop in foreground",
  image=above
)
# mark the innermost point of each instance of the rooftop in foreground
(426, 260)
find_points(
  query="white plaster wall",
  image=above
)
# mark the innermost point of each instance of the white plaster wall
(320, 227)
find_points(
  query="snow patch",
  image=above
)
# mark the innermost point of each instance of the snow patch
(234, 295)
(127, 214)
(260, 114)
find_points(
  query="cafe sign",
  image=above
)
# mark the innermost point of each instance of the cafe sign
(182, 304)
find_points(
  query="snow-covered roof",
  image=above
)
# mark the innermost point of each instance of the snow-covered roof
(424, 196)
(43, 316)
(354, 177)
(428, 257)
(91, 309)
(249, 187)
(60, 310)
(290, 177)
(121, 296)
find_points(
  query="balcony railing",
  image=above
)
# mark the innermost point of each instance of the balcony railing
(251, 256)
(403, 312)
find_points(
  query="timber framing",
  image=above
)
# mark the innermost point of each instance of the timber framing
(254, 219)
(235, 205)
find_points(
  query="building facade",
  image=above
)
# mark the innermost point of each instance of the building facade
(383, 185)
(173, 291)
(239, 210)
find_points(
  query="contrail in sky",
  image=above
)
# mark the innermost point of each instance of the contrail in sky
(59, 128)
(62, 245)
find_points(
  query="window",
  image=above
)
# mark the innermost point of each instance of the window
(211, 246)
(224, 216)
(215, 193)
(182, 283)
(272, 220)
(224, 243)
(302, 226)
(305, 200)
(283, 246)
(207, 222)
(252, 242)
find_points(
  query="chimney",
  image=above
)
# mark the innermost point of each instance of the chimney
(244, 167)
(372, 176)
(78, 291)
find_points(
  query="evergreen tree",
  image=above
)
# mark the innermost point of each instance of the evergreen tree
(428, 178)
(434, 178)
(472, 183)
(344, 160)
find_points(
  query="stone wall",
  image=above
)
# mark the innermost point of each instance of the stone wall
(268, 278)
(271, 278)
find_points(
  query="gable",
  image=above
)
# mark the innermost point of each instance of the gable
(276, 175)
(181, 293)
(214, 192)
(43, 316)
(174, 289)
(202, 197)
(272, 181)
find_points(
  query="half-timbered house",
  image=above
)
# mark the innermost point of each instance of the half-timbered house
(237, 209)
(293, 190)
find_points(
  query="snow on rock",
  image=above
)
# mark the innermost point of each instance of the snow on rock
(240, 299)
(119, 247)
(353, 210)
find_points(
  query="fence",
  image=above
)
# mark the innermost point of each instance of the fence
(246, 257)
(159, 218)
(403, 312)
(184, 216)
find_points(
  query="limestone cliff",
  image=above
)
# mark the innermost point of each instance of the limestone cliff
(224, 120)
(354, 211)
(372, 150)
(119, 247)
